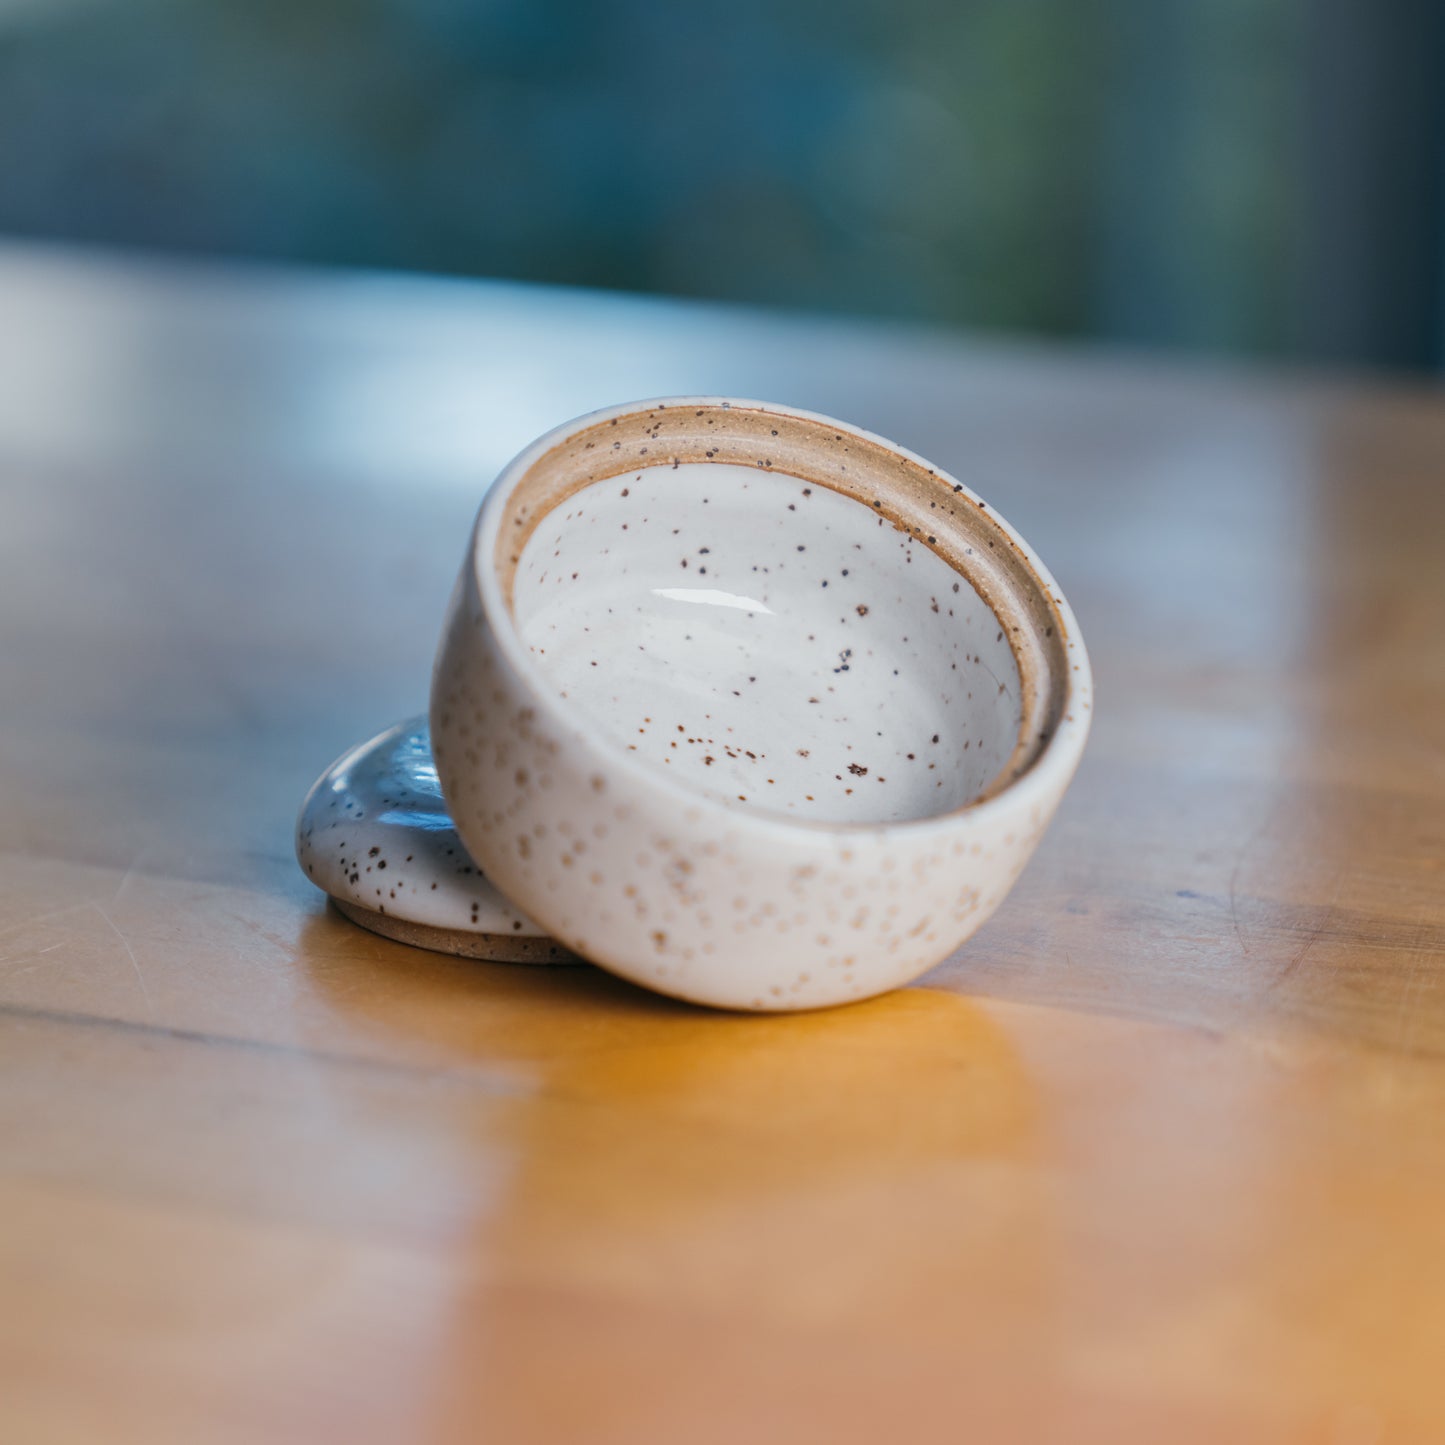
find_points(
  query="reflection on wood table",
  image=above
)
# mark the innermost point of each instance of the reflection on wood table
(1157, 1156)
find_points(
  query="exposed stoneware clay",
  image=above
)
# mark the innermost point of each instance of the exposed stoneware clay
(375, 835)
(750, 706)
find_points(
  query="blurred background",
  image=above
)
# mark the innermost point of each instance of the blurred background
(1249, 177)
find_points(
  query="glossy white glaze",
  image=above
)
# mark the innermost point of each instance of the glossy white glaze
(770, 641)
(658, 869)
(375, 835)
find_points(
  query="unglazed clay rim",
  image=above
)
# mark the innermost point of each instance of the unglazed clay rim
(1054, 725)
(530, 948)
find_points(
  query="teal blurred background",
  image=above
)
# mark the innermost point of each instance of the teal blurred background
(1254, 177)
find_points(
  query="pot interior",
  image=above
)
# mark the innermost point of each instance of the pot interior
(781, 613)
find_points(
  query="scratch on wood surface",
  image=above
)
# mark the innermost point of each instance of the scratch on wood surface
(49, 917)
(130, 954)
(1244, 852)
(1314, 935)
(28, 953)
(129, 873)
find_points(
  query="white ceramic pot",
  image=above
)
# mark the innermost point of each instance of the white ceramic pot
(750, 706)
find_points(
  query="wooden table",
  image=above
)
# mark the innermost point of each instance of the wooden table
(1160, 1156)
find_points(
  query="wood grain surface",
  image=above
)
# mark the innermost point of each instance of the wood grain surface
(1159, 1156)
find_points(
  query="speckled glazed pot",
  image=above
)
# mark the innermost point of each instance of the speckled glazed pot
(750, 706)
